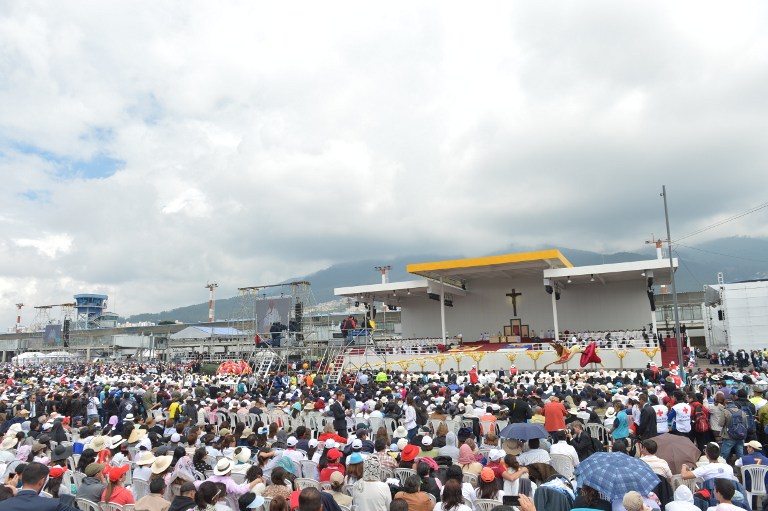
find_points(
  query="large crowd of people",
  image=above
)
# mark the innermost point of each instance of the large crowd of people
(160, 437)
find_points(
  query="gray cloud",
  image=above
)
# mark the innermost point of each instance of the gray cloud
(260, 142)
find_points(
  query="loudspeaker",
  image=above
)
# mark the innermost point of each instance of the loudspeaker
(65, 332)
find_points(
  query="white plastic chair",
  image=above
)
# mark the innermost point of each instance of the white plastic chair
(486, 504)
(756, 481)
(87, 505)
(403, 473)
(140, 488)
(304, 482)
(470, 478)
(563, 465)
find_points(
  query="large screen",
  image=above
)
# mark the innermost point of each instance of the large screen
(272, 310)
(52, 335)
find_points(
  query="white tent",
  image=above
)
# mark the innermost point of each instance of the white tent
(29, 358)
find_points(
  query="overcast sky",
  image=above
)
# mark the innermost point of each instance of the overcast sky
(148, 147)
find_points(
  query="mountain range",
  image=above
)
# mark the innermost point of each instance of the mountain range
(738, 258)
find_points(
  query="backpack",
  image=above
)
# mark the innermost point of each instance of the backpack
(700, 419)
(751, 425)
(737, 429)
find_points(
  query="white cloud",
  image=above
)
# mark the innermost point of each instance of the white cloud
(263, 141)
(50, 246)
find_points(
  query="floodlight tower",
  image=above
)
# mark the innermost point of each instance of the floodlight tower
(384, 270)
(18, 317)
(211, 286)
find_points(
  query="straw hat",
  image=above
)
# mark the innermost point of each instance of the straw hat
(98, 444)
(136, 435)
(9, 442)
(115, 441)
(161, 464)
(146, 458)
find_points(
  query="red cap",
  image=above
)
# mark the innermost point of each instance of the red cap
(333, 454)
(57, 471)
(115, 473)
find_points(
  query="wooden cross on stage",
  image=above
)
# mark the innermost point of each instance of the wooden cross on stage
(514, 294)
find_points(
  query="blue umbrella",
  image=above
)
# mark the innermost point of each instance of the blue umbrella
(524, 431)
(614, 474)
(454, 387)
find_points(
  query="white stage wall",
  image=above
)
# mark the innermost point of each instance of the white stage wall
(485, 308)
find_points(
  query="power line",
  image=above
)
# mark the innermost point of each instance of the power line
(723, 255)
(722, 222)
(680, 259)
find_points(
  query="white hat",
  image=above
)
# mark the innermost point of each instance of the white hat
(223, 467)
(242, 454)
(292, 441)
(176, 438)
(115, 441)
(495, 454)
(426, 441)
(357, 443)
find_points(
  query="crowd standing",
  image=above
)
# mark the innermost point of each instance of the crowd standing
(161, 437)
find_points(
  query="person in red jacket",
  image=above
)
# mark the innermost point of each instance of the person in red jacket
(554, 415)
(333, 457)
(473, 379)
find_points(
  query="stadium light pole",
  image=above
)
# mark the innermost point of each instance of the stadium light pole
(681, 367)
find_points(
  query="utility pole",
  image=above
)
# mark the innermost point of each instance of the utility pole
(681, 367)
(211, 286)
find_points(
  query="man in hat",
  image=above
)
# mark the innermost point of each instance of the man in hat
(93, 484)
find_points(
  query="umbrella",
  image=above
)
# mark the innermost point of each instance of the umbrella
(523, 431)
(454, 387)
(614, 474)
(676, 450)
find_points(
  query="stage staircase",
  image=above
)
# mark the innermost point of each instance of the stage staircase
(336, 369)
(670, 354)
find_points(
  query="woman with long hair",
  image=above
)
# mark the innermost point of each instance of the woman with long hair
(410, 418)
(207, 495)
(87, 457)
(452, 499)
(278, 488)
(354, 468)
(115, 492)
(487, 487)
(198, 460)
(512, 475)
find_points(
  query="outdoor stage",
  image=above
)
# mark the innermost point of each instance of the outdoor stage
(487, 356)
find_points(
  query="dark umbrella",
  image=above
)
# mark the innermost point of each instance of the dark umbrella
(523, 431)
(676, 450)
(614, 474)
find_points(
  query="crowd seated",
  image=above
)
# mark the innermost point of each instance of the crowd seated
(157, 437)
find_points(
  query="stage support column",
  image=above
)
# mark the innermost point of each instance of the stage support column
(88, 353)
(653, 324)
(442, 309)
(554, 316)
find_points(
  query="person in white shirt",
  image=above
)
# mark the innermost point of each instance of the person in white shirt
(713, 469)
(291, 452)
(680, 418)
(563, 447)
(534, 454)
(662, 417)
